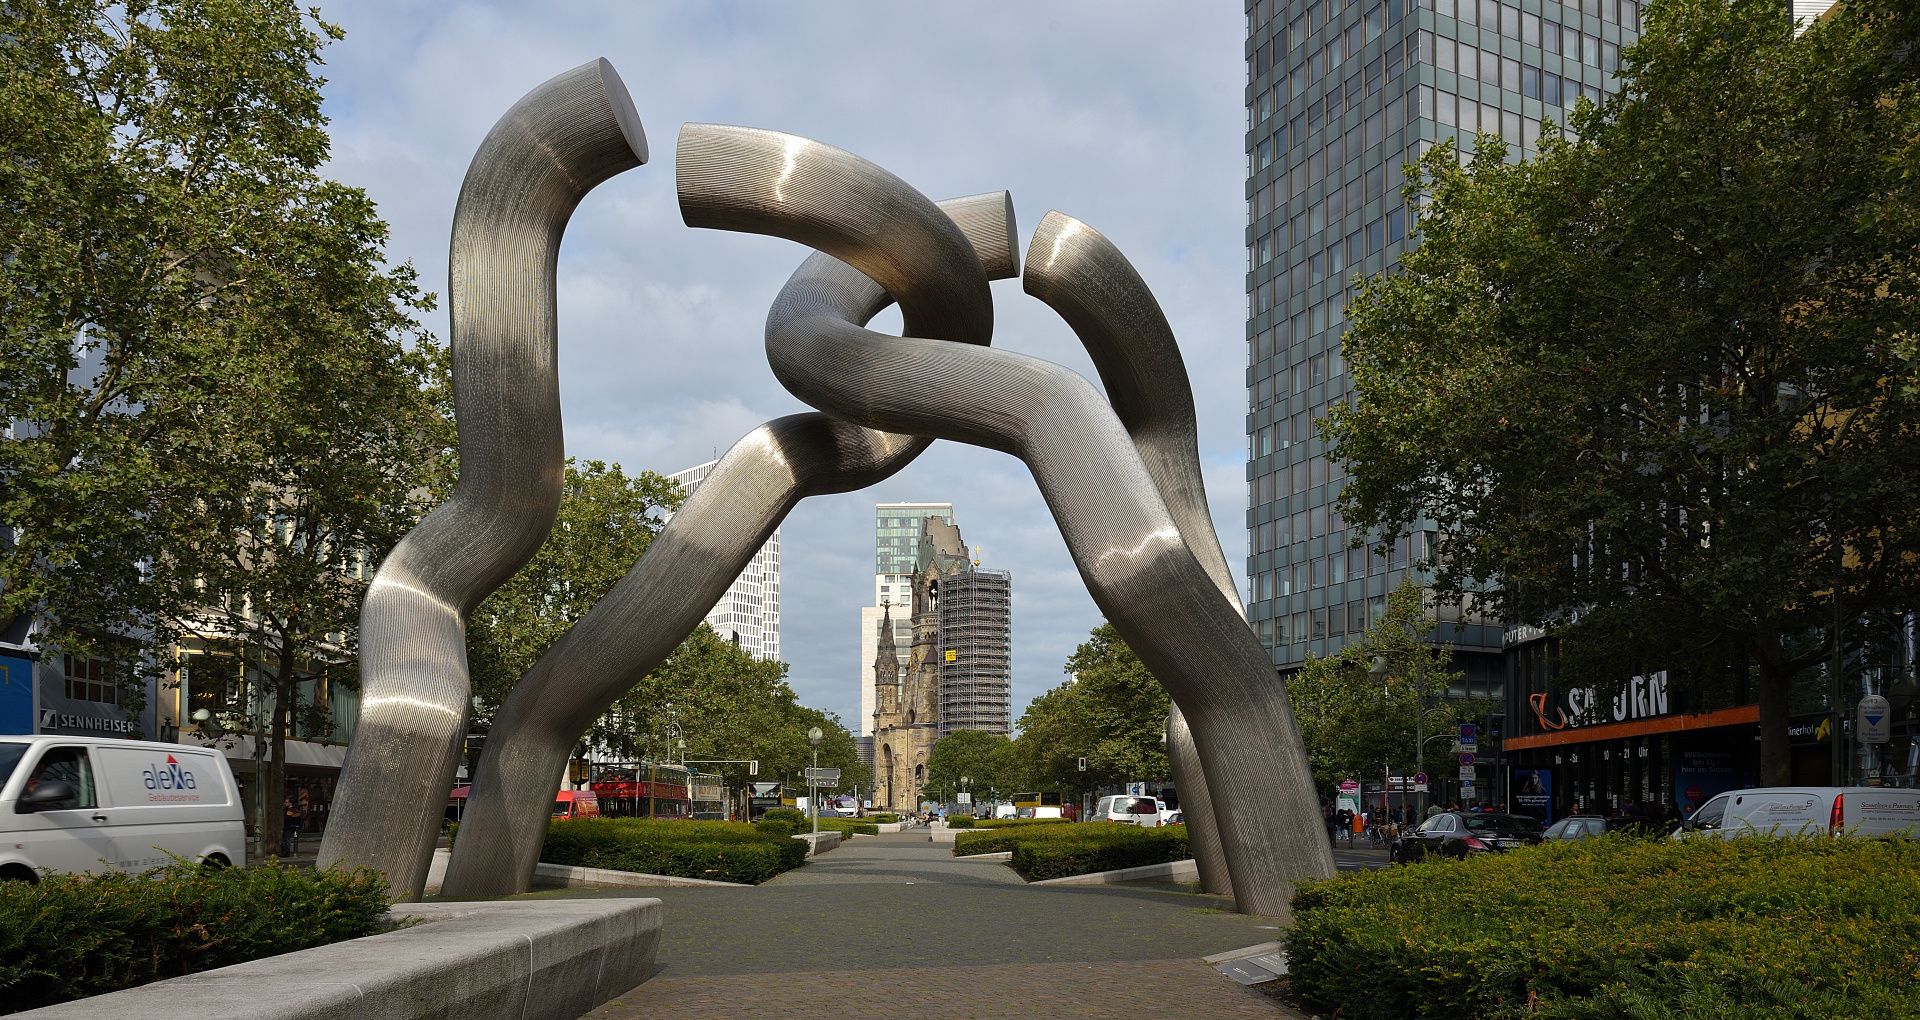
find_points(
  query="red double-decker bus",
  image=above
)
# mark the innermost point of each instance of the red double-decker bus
(643, 790)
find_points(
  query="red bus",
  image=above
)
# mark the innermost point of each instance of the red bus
(643, 790)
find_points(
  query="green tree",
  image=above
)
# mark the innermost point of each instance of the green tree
(605, 523)
(972, 754)
(726, 704)
(218, 393)
(1112, 713)
(1657, 386)
(1357, 725)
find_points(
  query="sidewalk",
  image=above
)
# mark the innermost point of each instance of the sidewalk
(893, 926)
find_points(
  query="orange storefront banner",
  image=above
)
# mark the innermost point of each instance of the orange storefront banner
(1638, 728)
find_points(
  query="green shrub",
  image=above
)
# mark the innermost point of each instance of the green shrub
(793, 816)
(775, 827)
(884, 819)
(995, 837)
(1106, 846)
(960, 822)
(72, 936)
(849, 827)
(722, 851)
(1620, 927)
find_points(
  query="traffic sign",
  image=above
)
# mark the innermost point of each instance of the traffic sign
(1468, 736)
(1876, 717)
(1420, 778)
(823, 777)
(1420, 787)
(1466, 761)
(1466, 773)
(963, 797)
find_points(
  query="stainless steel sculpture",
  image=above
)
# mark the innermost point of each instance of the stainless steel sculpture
(555, 145)
(1127, 544)
(690, 564)
(1122, 481)
(1083, 277)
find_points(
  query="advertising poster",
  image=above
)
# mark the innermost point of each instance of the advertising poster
(16, 694)
(1533, 794)
(1698, 775)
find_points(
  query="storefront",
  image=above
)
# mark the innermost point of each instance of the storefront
(1579, 749)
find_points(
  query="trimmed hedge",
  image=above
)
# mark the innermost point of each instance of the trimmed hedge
(1620, 927)
(960, 822)
(722, 851)
(71, 936)
(1058, 851)
(883, 818)
(995, 837)
(798, 822)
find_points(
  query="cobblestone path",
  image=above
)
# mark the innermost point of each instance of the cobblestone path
(896, 927)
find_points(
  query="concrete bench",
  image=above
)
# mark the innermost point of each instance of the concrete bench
(520, 959)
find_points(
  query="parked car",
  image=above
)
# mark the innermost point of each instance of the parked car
(1175, 818)
(1796, 810)
(1457, 834)
(1578, 827)
(79, 804)
(1143, 811)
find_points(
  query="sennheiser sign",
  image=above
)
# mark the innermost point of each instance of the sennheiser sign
(50, 720)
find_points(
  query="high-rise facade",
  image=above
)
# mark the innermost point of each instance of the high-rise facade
(1339, 95)
(749, 613)
(896, 548)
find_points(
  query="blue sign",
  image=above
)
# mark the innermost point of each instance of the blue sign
(1468, 737)
(16, 695)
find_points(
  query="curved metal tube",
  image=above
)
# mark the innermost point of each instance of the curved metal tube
(1081, 275)
(558, 142)
(704, 547)
(1123, 539)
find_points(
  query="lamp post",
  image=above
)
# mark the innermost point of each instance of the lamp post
(813, 776)
(966, 787)
(1378, 672)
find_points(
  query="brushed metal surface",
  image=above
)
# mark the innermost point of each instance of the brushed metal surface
(555, 145)
(1084, 277)
(1123, 538)
(709, 541)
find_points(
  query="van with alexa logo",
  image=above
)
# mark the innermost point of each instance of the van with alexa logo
(1868, 811)
(79, 804)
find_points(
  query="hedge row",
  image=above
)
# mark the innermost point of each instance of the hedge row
(71, 936)
(996, 837)
(1104, 846)
(883, 819)
(1619, 927)
(960, 822)
(721, 851)
(789, 821)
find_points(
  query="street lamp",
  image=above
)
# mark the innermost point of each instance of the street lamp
(966, 786)
(1378, 672)
(813, 777)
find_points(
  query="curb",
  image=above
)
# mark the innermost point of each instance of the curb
(1179, 871)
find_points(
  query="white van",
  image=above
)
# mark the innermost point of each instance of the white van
(87, 804)
(1133, 810)
(1868, 811)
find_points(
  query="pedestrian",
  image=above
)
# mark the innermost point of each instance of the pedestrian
(1327, 818)
(290, 829)
(1344, 818)
(1433, 809)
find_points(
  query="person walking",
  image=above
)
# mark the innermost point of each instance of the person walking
(290, 829)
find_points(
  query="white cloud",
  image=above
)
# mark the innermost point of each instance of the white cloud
(1128, 116)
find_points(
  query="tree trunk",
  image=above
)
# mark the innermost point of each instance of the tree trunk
(274, 782)
(1776, 682)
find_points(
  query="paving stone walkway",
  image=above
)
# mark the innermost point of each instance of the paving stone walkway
(893, 926)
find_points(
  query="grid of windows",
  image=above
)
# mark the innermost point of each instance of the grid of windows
(896, 533)
(91, 680)
(1339, 96)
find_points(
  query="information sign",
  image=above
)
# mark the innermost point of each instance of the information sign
(1876, 719)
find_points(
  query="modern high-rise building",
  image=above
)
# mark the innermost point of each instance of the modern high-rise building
(749, 613)
(1339, 95)
(896, 548)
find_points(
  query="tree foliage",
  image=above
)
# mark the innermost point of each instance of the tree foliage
(605, 523)
(1357, 727)
(220, 398)
(726, 704)
(1113, 712)
(985, 759)
(1657, 386)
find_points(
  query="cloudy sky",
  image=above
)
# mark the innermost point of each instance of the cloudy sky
(1127, 116)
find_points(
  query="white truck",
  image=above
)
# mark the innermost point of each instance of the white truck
(83, 804)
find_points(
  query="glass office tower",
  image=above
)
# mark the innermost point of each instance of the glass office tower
(1339, 95)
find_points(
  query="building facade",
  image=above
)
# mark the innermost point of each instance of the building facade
(749, 613)
(976, 650)
(896, 549)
